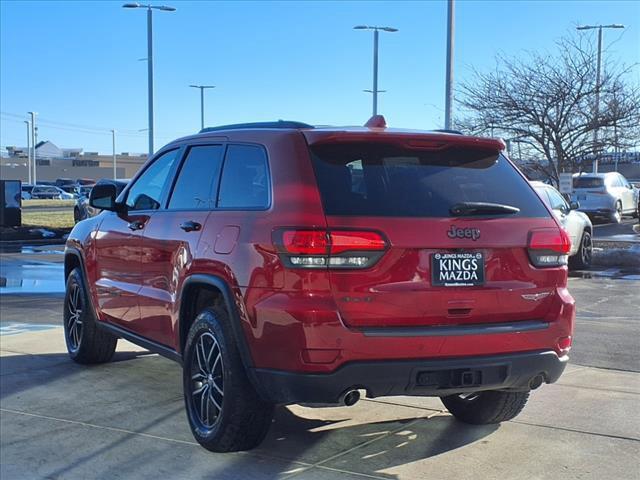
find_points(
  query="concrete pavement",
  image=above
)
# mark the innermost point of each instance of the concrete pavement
(126, 419)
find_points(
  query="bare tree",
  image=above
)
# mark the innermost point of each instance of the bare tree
(545, 102)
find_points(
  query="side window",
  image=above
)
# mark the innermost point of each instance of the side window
(544, 195)
(245, 178)
(557, 202)
(613, 181)
(623, 181)
(146, 192)
(197, 182)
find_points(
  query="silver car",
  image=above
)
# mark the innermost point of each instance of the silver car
(577, 224)
(607, 195)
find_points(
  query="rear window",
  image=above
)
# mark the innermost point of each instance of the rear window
(386, 180)
(588, 182)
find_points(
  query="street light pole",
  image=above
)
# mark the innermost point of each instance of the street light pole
(448, 99)
(150, 75)
(33, 146)
(376, 30)
(150, 58)
(596, 107)
(375, 71)
(28, 149)
(202, 89)
(113, 146)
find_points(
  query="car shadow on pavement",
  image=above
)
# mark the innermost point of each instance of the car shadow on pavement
(48, 367)
(136, 401)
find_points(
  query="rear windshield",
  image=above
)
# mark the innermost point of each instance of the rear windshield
(386, 180)
(588, 182)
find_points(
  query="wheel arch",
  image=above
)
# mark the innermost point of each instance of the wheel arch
(199, 290)
(73, 259)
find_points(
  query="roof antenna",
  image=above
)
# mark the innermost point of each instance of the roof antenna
(377, 121)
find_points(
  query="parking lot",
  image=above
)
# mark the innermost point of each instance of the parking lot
(126, 419)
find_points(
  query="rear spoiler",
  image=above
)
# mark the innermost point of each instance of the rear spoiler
(412, 140)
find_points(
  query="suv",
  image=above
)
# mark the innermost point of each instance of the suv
(607, 195)
(281, 263)
(577, 224)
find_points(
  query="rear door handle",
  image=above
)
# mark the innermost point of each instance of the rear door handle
(136, 225)
(190, 226)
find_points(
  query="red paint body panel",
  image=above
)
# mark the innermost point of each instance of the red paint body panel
(136, 278)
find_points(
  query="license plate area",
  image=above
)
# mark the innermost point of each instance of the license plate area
(459, 269)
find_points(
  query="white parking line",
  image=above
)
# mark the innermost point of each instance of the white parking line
(14, 328)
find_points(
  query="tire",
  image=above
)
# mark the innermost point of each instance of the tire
(488, 407)
(224, 411)
(616, 216)
(86, 342)
(582, 258)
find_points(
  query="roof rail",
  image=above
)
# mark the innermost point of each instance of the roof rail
(285, 124)
(448, 130)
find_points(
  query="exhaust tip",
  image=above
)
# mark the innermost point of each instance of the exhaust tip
(350, 397)
(536, 381)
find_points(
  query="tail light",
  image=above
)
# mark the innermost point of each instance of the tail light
(304, 248)
(549, 247)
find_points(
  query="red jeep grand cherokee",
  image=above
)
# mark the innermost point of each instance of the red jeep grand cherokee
(281, 263)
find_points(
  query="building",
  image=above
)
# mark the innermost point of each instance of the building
(55, 162)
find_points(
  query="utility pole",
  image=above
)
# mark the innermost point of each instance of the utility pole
(28, 149)
(202, 89)
(596, 107)
(448, 99)
(376, 30)
(34, 137)
(113, 145)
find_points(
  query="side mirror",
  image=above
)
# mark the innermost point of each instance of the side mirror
(574, 205)
(103, 197)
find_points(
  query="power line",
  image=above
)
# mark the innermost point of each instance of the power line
(87, 129)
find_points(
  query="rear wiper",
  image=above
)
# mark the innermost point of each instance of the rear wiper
(482, 208)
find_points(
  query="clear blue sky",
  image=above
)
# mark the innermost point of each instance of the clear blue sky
(76, 63)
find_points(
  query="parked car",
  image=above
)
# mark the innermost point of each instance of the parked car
(281, 263)
(608, 195)
(26, 191)
(50, 192)
(82, 210)
(577, 224)
(63, 181)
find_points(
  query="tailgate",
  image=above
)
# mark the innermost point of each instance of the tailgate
(458, 221)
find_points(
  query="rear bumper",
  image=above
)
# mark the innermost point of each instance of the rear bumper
(597, 211)
(415, 377)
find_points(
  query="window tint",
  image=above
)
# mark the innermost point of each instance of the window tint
(389, 180)
(245, 178)
(612, 181)
(146, 192)
(623, 181)
(557, 202)
(197, 182)
(588, 182)
(542, 192)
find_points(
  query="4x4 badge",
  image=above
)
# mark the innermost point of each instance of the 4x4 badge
(472, 233)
